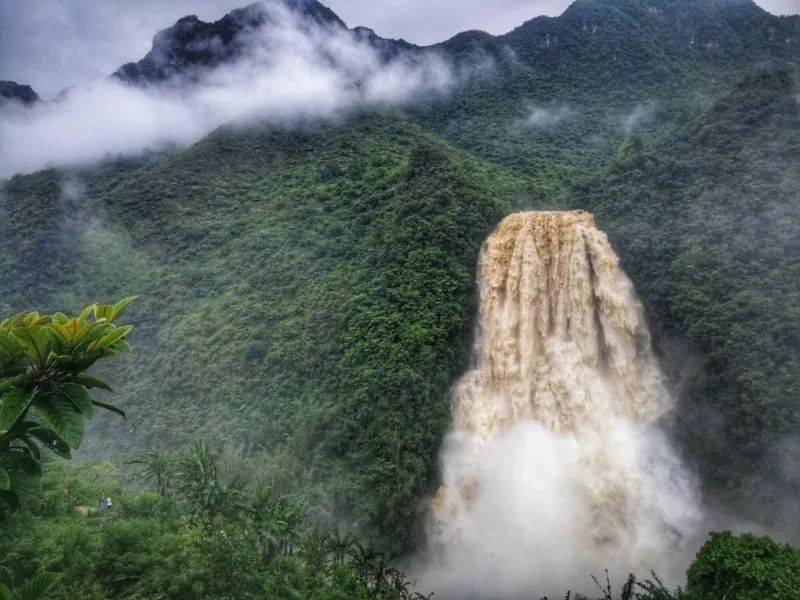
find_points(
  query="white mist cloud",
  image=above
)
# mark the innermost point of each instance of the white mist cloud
(292, 71)
(545, 118)
(528, 529)
(641, 115)
(54, 44)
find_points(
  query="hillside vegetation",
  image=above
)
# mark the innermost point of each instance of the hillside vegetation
(309, 293)
(706, 220)
(189, 527)
(558, 94)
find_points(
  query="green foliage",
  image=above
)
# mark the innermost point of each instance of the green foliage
(632, 589)
(744, 567)
(609, 68)
(243, 540)
(313, 290)
(65, 486)
(310, 292)
(35, 588)
(44, 389)
(155, 467)
(706, 223)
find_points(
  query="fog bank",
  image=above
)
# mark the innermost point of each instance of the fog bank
(292, 71)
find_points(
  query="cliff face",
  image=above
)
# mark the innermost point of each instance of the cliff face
(190, 46)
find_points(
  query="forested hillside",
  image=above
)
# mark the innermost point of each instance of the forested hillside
(309, 293)
(306, 293)
(706, 220)
(564, 91)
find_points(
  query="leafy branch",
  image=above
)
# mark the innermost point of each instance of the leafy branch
(44, 389)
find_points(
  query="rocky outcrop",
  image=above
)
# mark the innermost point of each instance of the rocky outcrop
(13, 91)
(182, 52)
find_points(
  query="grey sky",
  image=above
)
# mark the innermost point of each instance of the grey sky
(53, 44)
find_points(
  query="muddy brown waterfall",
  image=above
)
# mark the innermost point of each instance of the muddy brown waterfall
(556, 467)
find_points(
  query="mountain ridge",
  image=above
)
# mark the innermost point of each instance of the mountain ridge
(192, 44)
(184, 50)
(580, 11)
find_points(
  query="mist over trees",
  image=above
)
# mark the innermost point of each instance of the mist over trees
(299, 208)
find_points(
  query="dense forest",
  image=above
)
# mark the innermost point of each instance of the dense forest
(306, 297)
(352, 260)
(705, 219)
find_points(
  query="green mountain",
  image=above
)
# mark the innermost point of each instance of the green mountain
(307, 292)
(706, 222)
(600, 72)
(310, 292)
(552, 98)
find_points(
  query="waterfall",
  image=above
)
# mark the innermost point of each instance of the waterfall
(556, 468)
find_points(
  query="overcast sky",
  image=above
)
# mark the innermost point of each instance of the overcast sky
(53, 44)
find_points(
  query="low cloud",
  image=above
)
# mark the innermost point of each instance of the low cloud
(546, 118)
(640, 116)
(528, 529)
(293, 71)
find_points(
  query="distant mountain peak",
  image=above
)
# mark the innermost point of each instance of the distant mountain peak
(586, 30)
(314, 9)
(11, 90)
(191, 44)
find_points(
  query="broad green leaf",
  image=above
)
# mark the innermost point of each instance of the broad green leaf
(59, 319)
(86, 312)
(10, 382)
(9, 346)
(64, 417)
(88, 333)
(5, 480)
(27, 319)
(110, 338)
(112, 312)
(78, 395)
(121, 306)
(13, 404)
(90, 382)
(5, 593)
(17, 320)
(104, 311)
(36, 341)
(122, 347)
(32, 447)
(51, 441)
(110, 407)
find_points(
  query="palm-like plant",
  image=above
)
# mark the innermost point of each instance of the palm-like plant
(44, 388)
(156, 467)
(35, 588)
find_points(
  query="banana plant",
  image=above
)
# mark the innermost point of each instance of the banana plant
(45, 395)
